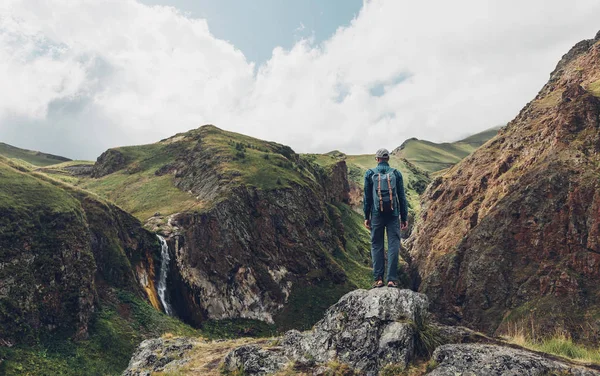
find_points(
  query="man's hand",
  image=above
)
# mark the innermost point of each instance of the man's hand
(368, 224)
(403, 225)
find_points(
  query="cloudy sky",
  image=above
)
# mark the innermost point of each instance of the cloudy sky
(80, 76)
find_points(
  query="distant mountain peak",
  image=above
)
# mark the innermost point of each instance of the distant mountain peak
(404, 144)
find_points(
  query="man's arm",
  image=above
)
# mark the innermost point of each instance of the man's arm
(368, 196)
(401, 197)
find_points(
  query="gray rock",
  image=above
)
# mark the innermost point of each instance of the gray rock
(158, 354)
(254, 360)
(365, 329)
(492, 360)
(461, 334)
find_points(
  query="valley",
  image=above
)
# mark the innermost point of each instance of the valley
(211, 234)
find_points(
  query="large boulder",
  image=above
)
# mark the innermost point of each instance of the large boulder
(488, 360)
(365, 329)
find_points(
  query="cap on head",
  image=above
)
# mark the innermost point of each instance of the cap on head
(382, 153)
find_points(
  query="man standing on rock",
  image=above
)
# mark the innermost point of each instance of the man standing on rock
(383, 202)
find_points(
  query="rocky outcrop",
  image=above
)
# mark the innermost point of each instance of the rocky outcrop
(365, 333)
(511, 235)
(108, 162)
(257, 241)
(491, 360)
(366, 330)
(160, 355)
(244, 257)
(335, 183)
(80, 169)
(369, 331)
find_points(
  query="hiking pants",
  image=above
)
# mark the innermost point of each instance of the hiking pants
(379, 224)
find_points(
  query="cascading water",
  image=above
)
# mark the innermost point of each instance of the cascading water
(164, 271)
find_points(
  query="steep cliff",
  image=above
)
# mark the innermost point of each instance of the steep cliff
(255, 230)
(74, 272)
(510, 236)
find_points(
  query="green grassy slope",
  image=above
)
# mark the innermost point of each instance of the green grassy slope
(41, 220)
(34, 157)
(433, 157)
(140, 188)
(115, 331)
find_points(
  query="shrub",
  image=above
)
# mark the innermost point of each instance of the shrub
(427, 336)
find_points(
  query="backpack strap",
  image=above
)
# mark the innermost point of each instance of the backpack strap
(390, 190)
(379, 193)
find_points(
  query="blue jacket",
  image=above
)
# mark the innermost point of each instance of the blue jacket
(368, 207)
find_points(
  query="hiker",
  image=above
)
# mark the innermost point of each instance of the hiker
(383, 202)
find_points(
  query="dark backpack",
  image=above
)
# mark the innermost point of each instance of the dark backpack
(384, 190)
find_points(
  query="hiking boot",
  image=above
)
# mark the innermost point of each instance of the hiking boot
(393, 284)
(377, 283)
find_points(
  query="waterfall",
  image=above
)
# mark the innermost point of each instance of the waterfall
(164, 270)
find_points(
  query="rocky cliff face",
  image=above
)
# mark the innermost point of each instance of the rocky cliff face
(244, 257)
(511, 235)
(247, 255)
(61, 250)
(262, 233)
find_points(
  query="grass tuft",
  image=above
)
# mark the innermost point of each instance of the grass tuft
(427, 336)
(560, 344)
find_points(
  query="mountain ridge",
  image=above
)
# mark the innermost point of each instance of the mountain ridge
(504, 237)
(36, 158)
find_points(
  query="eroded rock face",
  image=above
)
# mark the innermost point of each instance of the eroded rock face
(159, 355)
(365, 330)
(512, 233)
(243, 258)
(60, 255)
(491, 360)
(108, 162)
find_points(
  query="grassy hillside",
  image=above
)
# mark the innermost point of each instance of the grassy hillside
(433, 157)
(36, 158)
(142, 183)
(211, 163)
(56, 284)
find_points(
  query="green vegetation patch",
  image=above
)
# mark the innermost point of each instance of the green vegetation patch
(594, 88)
(24, 195)
(237, 328)
(115, 331)
(308, 302)
(355, 259)
(558, 344)
(142, 194)
(550, 100)
(33, 157)
(146, 184)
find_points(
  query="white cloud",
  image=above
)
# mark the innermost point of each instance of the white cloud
(434, 70)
